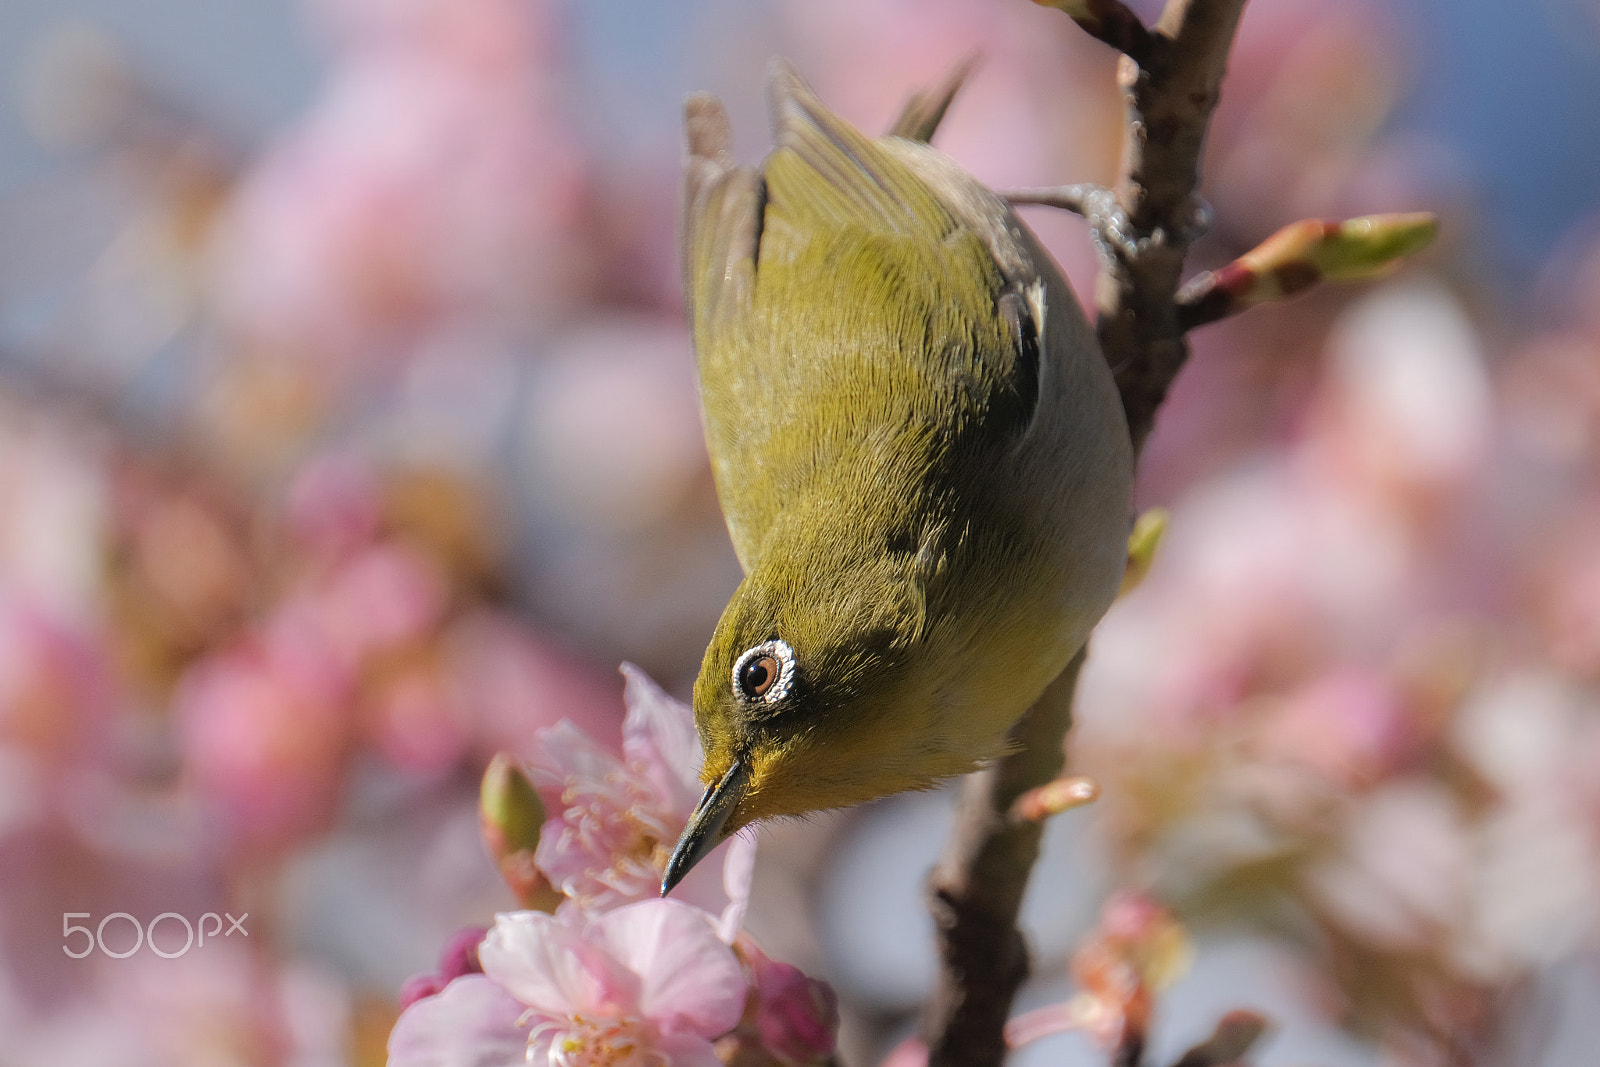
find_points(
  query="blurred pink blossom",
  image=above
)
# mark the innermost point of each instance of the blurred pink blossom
(57, 688)
(1404, 410)
(912, 1052)
(225, 1004)
(264, 728)
(383, 597)
(1329, 551)
(1399, 875)
(432, 179)
(1137, 950)
(413, 718)
(1298, 134)
(1534, 736)
(57, 489)
(334, 504)
(1566, 594)
(1349, 726)
(514, 682)
(647, 983)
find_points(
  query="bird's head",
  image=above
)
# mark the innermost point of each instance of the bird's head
(817, 692)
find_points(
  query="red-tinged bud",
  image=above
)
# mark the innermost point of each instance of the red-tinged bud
(1314, 250)
(790, 1019)
(1302, 254)
(458, 957)
(1053, 798)
(796, 1016)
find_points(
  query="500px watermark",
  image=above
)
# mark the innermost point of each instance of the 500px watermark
(146, 934)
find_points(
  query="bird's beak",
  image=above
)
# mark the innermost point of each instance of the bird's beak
(704, 831)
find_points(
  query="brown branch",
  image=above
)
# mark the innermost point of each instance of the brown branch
(1169, 103)
(1110, 21)
(1236, 1032)
(976, 891)
(977, 888)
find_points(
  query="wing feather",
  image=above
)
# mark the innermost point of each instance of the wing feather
(846, 314)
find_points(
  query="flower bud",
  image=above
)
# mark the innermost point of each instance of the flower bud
(511, 815)
(795, 1017)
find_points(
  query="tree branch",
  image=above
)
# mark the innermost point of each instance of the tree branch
(1110, 21)
(977, 888)
(1169, 103)
(1170, 80)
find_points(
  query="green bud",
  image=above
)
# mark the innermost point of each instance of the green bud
(511, 815)
(1363, 247)
(1148, 530)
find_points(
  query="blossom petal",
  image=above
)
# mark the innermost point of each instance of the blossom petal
(566, 754)
(738, 871)
(658, 737)
(472, 1022)
(691, 981)
(551, 967)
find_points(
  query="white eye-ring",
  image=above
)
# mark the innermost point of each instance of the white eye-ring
(765, 673)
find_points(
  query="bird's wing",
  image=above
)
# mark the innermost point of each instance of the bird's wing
(848, 322)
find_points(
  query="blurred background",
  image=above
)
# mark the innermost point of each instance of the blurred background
(348, 435)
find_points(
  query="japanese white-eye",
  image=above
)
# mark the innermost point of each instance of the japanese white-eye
(920, 453)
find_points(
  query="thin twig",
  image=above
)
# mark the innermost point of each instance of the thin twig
(1236, 1032)
(1080, 199)
(1130, 1050)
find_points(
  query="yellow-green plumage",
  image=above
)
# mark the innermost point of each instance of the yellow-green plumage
(919, 451)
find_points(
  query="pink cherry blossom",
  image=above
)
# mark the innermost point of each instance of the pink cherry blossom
(515, 682)
(616, 820)
(650, 983)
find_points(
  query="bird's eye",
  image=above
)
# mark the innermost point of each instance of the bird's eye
(764, 673)
(758, 675)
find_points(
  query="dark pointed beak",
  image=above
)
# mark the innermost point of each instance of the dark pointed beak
(704, 831)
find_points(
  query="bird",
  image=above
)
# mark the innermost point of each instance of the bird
(919, 450)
